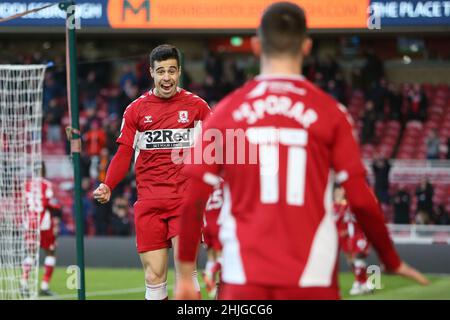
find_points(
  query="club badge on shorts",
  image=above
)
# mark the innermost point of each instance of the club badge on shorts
(183, 117)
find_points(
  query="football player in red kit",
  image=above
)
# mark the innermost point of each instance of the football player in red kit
(211, 240)
(278, 233)
(156, 126)
(352, 242)
(44, 210)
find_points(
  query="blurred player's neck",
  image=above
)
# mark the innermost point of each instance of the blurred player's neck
(280, 65)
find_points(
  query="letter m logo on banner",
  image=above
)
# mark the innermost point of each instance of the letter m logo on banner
(130, 5)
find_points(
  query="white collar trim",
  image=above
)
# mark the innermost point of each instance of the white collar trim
(280, 76)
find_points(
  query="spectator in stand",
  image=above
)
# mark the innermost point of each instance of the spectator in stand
(127, 75)
(86, 203)
(378, 94)
(395, 101)
(424, 194)
(101, 217)
(90, 89)
(319, 80)
(52, 90)
(103, 164)
(329, 67)
(357, 80)
(129, 93)
(85, 164)
(112, 129)
(372, 71)
(341, 86)
(368, 119)
(95, 139)
(211, 89)
(402, 204)
(381, 167)
(433, 145)
(120, 220)
(417, 103)
(214, 67)
(53, 118)
(335, 91)
(91, 116)
(440, 216)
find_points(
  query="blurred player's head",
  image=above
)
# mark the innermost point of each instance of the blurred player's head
(43, 169)
(339, 193)
(165, 70)
(282, 33)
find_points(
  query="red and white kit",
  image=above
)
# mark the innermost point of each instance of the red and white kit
(154, 127)
(40, 196)
(279, 230)
(351, 237)
(211, 219)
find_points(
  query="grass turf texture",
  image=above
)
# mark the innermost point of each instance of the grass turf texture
(128, 284)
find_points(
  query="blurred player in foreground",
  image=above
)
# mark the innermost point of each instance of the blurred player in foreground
(211, 274)
(43, 208)
(279, 236)
(352, 242)
(155, 126)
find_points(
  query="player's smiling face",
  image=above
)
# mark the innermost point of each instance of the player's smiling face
(166, 75)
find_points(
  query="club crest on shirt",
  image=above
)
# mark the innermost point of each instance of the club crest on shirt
(183, 117)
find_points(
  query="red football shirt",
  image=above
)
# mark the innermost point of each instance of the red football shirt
(160, 130)
(342, 216)
(39, 196)
(346, 220)
(279, 227)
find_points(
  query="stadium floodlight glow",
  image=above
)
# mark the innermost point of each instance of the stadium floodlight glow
(21, 88)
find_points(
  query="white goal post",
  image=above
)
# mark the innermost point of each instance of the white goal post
(21, 97)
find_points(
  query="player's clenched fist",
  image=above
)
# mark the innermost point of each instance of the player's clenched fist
(102, 194)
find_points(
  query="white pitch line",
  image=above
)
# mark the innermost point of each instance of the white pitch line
(102, 293)
(96, 293)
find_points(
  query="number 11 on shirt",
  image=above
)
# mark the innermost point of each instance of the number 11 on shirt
(268, 140)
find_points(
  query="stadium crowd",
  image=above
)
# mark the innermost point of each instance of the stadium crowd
(103, 98)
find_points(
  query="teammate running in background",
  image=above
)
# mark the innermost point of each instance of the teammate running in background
(352, 242)
(211, 274)
(161, 121)
(278, 234)
(43, 208)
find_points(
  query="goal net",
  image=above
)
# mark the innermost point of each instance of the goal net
(21, 88)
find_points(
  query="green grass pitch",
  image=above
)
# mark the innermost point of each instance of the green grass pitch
(128, 284)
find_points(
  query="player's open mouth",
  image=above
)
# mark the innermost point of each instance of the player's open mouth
(166, 87)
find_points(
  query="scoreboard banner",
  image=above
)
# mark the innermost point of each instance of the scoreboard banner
(227, 14)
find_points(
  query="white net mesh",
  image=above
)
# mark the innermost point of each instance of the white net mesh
(21, 90)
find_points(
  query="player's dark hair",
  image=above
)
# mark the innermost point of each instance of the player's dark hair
(164, 52)
(43, 169)
(282, 29)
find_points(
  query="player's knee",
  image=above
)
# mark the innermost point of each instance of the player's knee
(154, 278)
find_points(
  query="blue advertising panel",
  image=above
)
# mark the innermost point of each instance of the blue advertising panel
(90, 12)
(412, 12)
